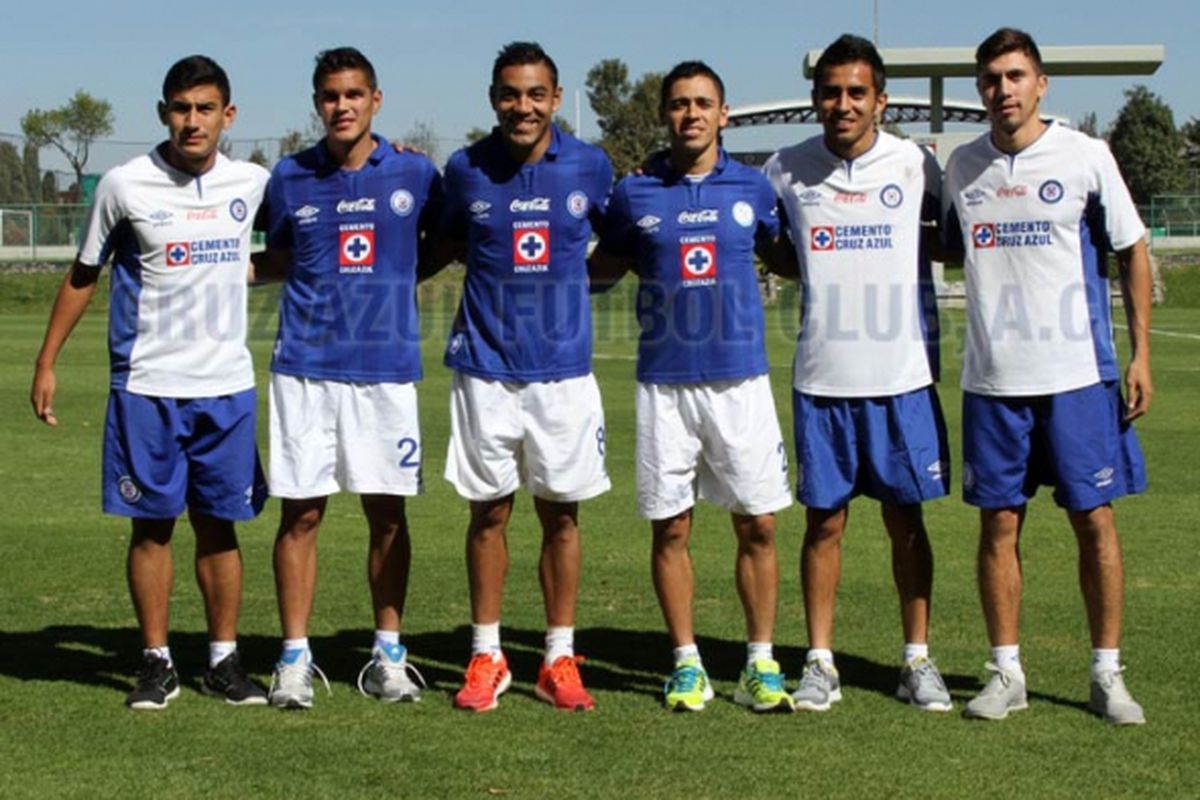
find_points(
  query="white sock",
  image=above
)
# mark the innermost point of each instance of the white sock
(686, 651)
(218, 651)
(913, 651)
(292, 645)
(385, 639)
(162, 652)
(1105, 660)
(560, 641)
(821, 654)
(485, 638)
(759, 651)
(1008, 657)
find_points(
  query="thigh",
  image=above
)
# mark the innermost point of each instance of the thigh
(144, 471)
(902, 444)
(379, 439)
(564, 439)
(225, 478)
(1001, 458)
(744, 465)
(826, 450)
(667, 451)
(303, 437)
(482, 458)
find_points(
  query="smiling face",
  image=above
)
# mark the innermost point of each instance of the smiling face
(1011, 87)
(346, 103)
(195, 119)
(848, 105)
(525, 99)
(694, 114)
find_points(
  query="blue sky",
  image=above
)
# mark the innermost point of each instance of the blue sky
(434, 60)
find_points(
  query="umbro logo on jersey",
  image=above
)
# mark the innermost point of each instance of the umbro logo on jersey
(701, 217)
(698, 260)
(821, 238)
(518, 206)
(974, 197)
(356, 249)
(531, 246)
(479, 208)
(649, 222)
(179, 254)
(356, 206)
(809, 197)
(306, 212)
(983, 234)
(162, 218)
(1104, 477)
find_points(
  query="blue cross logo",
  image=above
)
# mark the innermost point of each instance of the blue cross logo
(699, 260)
(177, 253)
(532, 245)
(357, 247)
(822, 239)
(983, 236)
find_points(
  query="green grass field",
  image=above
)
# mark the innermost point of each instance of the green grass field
(68, 641)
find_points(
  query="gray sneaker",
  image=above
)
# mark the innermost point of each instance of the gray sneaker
(387, 676)
(292, 681)
(1112, 701)
(922, 686)
(819, 687)
(1005, 692)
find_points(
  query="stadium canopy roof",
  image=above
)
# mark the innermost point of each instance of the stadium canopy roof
(939, 63)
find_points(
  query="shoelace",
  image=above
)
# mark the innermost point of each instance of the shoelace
(1005, 676)
(282, 669)
(926, 670)
(684, 679)
(771, 680)
(484, 670)
(565, 670)
(815, 674)
(405, 667)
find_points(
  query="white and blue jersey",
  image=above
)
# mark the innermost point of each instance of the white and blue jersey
(869, 321)
(693, 243)
(349, 308)
(525, 314)
(180, 247)
(1034, 227)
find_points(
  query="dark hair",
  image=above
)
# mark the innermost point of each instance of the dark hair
(188, 73)
(341, 59)
(1004, 41)
(847, 49)
(689, 69)
(518, 53)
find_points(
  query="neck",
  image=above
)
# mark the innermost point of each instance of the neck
(854, 149)
(1015, 141)
(351, 155)
(530, 155)
(183, 164)
(689, 163)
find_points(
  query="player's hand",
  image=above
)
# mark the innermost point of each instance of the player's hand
(1138, 389)
(42, 395)
(401, 147)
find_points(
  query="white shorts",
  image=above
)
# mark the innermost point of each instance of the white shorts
(330, 436)
(719, 441)
(547, 436)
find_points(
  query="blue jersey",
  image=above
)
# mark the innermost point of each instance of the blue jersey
(525, 314)
(698, 300)
(349, 309)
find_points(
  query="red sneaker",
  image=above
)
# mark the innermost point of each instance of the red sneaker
(560, 685)
(487, 678)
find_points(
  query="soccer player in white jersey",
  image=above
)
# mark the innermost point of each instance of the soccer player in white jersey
(867, 415)
(179, 432)
(1035, 206)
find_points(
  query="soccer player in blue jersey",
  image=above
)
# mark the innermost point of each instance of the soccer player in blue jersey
(347, 217)
(1035, 207)
(868, 419)
(706, 422)
(179, 432)
(525, 408)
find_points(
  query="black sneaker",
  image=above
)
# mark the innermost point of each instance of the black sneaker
(227, 679)
(157, 685)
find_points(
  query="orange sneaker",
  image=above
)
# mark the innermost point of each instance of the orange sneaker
(560, 685)
(487, 678)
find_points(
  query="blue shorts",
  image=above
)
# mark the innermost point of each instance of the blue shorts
(892, 449)
(162, 455)
(1078, 442)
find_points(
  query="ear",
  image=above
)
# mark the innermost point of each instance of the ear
(557, 98)
(377, 99)
(880, 106)
(162, 112)
(724, 119)
(230, 114)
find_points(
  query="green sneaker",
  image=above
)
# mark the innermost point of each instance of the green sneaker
(688, 688)
(761, 688)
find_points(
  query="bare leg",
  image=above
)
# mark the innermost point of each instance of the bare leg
(821, 570)
(912, 567)
(999, 572)
(296, 563)
(757, 573)
(150, 572)
(1101, 573)
(561, 560)
(671, 569)
(219, 574)
(487, 557)
(388, 558)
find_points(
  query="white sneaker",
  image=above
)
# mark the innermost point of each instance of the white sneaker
(292, 681)
(820, 687)
(387, 676)
(922, 686)
(1111, 700)
(1005, 692)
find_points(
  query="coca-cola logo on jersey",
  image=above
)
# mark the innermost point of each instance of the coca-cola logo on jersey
(1019, 190)
(700, 217)
(532, 204)
(356, 206)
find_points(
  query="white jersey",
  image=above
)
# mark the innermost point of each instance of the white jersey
(1035, 227)
(180, 245)
(868, 322)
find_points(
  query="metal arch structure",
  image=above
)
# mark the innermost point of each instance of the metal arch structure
(899, 110)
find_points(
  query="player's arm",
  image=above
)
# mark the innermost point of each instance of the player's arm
(605, 269)
(778, 253)
(437, 250)
(269, 266)
(73, 296)
(1134, 263)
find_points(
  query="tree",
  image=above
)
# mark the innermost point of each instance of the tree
(477, 133)
(71, 129)
(33, 170)
(13, 188)
(422, 136)
(564, 124)
(1089, 125)
(259, 156)
(1148, 148)
(292, 142)
(1191, 148)
(627, 114)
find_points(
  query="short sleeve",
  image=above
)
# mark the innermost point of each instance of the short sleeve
(600, 189)
(103, 219)
(435, 200)
(1121, 220)
(931, 197)
(278, 222)
(618, 234)
(766, 209)
(452, 218)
